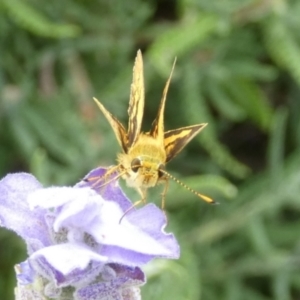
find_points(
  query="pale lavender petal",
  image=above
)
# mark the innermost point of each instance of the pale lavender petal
(129, 236)
(77, 277)
(152, 221)
(58, 196)
(25, 273)
(77, 207)
(15, 213)
(126, 257)
(68, 257)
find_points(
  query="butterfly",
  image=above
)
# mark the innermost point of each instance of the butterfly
(145, 154)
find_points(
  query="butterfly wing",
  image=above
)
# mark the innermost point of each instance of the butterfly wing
(116, 125)
(157, 130)
(175, 140)
(137, 101)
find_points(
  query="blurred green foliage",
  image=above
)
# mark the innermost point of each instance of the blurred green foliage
(238, 69)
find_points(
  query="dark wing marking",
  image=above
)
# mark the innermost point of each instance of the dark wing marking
(157, 130)
(137, 101)
(176, 139)
(116, 125)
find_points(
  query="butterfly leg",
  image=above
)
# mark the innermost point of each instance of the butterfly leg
(143, 193)
(164, 192)
(164, 180)
(97, 180)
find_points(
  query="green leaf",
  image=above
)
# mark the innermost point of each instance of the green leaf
(26, 16)
(177, 40)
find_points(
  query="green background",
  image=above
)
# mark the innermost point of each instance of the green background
(238, 68)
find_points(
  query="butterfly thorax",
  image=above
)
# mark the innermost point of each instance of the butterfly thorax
(142, 163)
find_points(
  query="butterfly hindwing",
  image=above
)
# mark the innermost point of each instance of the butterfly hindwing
(137, 101)
(116, 125)
(175, 140)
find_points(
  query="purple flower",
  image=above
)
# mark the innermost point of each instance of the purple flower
(77, 246)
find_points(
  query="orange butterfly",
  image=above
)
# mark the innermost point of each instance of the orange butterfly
(142, 163)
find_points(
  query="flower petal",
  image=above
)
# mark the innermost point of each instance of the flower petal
(68, 257)
(149, 240)
(57, 196)
(76, 207)
(25, 273)
(15, 213)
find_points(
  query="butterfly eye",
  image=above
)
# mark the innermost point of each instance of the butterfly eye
(161, 168)
(135, 164)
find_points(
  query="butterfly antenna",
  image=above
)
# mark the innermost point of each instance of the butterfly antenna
(203, 197)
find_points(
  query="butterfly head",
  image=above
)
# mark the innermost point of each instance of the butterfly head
(150, 170)
(143, 171)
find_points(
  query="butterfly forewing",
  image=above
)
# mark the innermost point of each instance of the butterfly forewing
(175, 140)
(157, 130)
(116, 125)
(137, 101)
